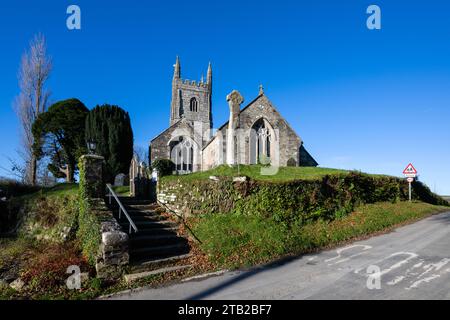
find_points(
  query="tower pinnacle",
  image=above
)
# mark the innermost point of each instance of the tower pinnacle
(209, 75)
(177, 69)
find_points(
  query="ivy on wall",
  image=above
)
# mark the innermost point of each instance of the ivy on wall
(293, 202)
(88, 221)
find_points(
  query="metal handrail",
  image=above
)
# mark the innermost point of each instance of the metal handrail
(121, 208)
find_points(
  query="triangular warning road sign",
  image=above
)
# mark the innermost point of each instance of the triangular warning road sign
(410, 169)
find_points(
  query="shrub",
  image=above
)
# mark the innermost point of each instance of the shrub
(11, 188)
(422, 192)
(165, 167)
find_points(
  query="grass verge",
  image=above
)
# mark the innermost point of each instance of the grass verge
(235, 241)
(123, 191)
(254, 171)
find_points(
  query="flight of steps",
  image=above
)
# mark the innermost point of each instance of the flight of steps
(156, 247)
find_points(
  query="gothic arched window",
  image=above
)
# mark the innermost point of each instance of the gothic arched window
(182, 154)
(194, 105)
(261, 139)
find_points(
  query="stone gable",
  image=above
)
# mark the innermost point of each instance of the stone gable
(258, 130)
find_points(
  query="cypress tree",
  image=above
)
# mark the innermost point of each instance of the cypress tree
(110, 127)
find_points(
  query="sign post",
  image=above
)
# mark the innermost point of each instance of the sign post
(410, 173)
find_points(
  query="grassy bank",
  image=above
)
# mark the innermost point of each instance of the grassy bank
(123, 191)
(256, 172)
(44, 246)
(48, 214)
(234, 241)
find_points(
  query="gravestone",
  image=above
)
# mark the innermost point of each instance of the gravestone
(119, 180)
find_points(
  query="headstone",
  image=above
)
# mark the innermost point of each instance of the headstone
(155, 175)
(119, 180)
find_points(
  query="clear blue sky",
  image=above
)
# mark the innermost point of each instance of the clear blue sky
(360, 99)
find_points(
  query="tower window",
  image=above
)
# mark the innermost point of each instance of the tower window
(194, 105)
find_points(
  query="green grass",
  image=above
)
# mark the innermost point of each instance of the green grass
(59, 190)
(11, 250)
(48, 211)
(254, 172)
(234, 241)
(123, 191)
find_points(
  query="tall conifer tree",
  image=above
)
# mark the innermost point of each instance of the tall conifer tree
(110, 127)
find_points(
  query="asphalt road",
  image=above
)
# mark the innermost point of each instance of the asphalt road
(412, 262)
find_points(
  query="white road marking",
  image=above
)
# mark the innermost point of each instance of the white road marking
(340, 251)
(408, 272)
(425, 280)
(411, 255)
(417, 277)
(397, 279)
(428, 268)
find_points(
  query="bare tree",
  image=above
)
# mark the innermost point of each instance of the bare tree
(33, 74)
(141, 154)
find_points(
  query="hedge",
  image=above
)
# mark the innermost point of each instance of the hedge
(297, 201)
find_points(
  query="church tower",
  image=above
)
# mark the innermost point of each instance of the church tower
(191, 101)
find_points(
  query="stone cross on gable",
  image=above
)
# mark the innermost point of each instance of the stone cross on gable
(235, 100)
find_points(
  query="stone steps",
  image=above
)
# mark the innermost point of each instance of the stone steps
(159, 231)
(139, 218)
(136, 276)
(141, 212)
(153, 264)
(131, 201)
(154, 239)
(144, 225)
(140, 207)
(156, 247)
(160, 251)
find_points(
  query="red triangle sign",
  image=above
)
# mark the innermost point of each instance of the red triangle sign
(410, 169)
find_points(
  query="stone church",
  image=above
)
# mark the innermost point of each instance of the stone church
(256, 133)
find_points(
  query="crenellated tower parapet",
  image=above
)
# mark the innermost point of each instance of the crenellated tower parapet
(192, 100)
